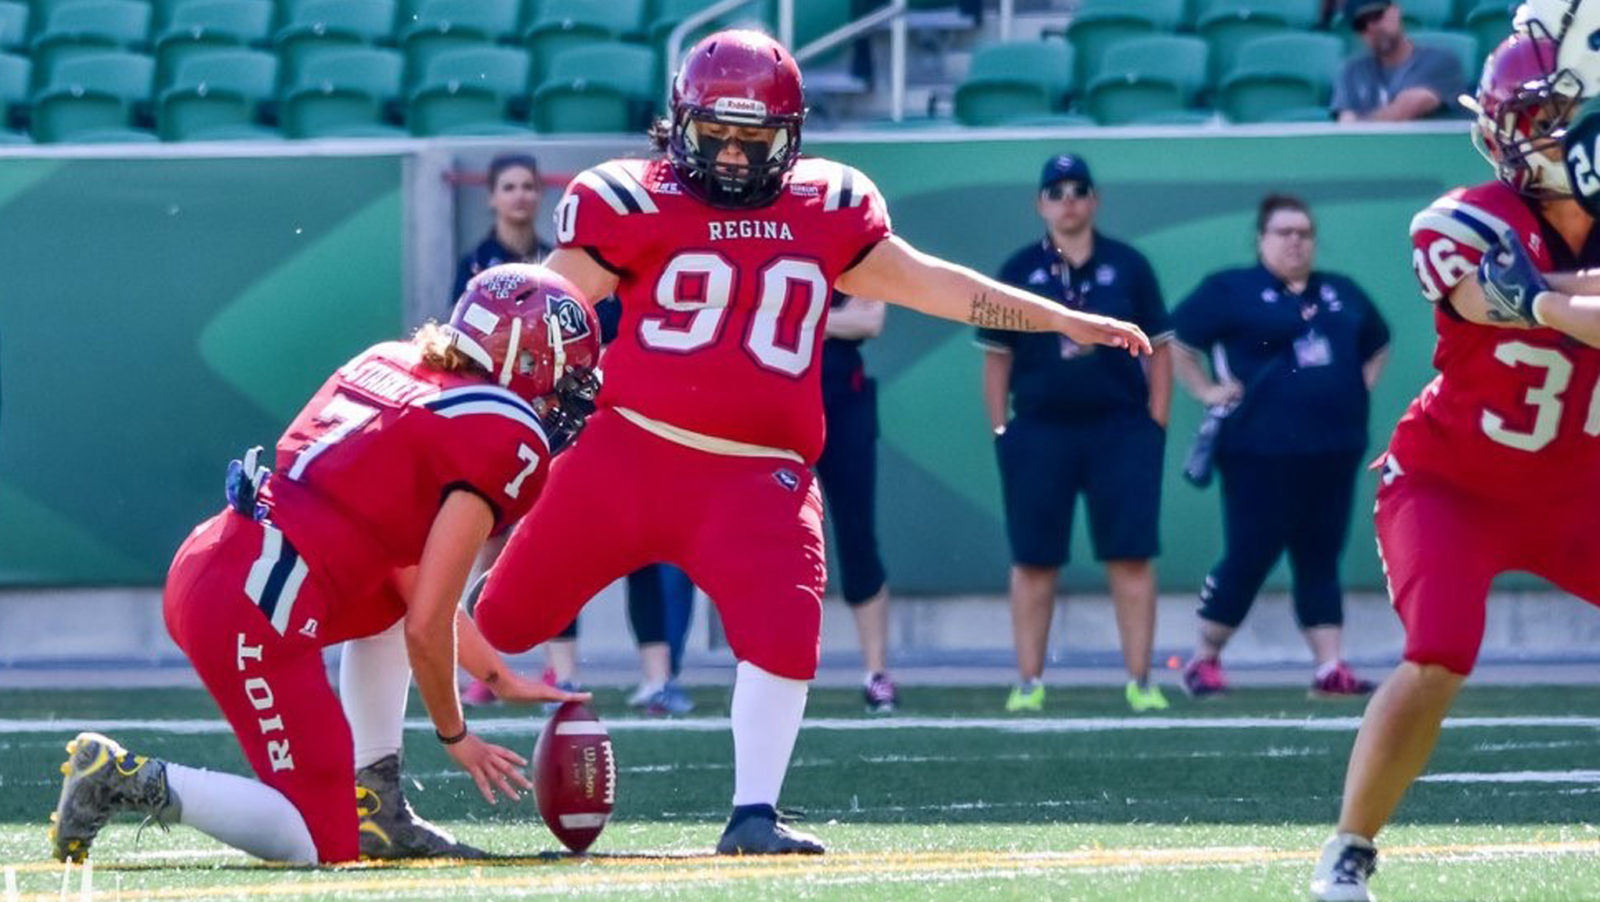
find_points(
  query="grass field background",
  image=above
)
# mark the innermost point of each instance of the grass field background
(1227, 800)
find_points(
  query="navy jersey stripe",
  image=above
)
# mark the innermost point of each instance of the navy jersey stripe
(287, 557)
(626, 196)
(1481, 228)
(846, 187)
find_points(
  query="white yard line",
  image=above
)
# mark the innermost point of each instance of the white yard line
(1517, 776)
(533, 723)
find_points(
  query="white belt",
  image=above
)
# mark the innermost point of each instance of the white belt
(702, 442)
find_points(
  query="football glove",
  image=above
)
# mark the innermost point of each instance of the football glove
(575, 395)
(1510, 281)
(243, 484)
(1581, 149)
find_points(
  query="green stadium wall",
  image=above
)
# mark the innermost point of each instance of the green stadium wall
(157, 316)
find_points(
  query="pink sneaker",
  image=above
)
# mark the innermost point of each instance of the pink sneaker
(1340, 682)
(1202, 678)
(478, 695)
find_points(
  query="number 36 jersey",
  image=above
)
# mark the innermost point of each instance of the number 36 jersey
(1513, 412)
(722, 309)
(362, 470)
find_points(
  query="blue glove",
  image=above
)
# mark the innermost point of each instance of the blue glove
(1510, 281)
(244, 484)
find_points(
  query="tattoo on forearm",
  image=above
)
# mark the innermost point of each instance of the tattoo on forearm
(989, 313)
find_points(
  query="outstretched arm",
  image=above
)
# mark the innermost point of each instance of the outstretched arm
(900, 274)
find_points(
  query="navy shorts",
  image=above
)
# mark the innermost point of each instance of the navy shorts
(1113, 461)
(848, 471)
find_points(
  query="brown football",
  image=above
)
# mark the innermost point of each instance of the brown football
(575, 776)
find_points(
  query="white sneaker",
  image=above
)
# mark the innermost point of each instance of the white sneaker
(641, 696)
(1347, 862)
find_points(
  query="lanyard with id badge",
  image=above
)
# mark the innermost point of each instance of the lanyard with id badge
(1075, 297)
(1313, 348)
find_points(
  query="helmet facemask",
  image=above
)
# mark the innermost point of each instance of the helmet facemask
(1521, 134)
(754, 183)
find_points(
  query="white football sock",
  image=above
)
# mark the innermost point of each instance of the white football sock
(374, 682)
(246, 814)
(767, 710)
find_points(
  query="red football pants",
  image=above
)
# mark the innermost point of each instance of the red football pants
(747, 530)
(1442, 547)
(227, 580)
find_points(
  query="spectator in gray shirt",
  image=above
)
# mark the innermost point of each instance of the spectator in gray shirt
(1398, 80)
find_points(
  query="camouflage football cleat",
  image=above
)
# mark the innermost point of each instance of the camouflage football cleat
(101, 779)
(390, 828)
(759, 830)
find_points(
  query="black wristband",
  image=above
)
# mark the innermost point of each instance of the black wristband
(452, 740)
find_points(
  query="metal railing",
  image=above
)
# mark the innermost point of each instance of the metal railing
(894, 14)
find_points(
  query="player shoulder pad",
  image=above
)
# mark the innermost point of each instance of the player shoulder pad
(843, 187)
(621, 185)
(486, 401)
(1476, 217)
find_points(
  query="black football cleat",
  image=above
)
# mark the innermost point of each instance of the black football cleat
(759, 830)
(390, 828)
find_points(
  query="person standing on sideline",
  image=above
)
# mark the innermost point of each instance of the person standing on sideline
(1082, 421)
(1296, 351)
(514, 197)
(848, 470)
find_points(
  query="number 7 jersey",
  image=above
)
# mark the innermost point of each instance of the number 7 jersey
(722, 309)
(1513, 412)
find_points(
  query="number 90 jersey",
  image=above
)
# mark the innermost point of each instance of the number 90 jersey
(1513, 412)
(362, 470)
(722, 309)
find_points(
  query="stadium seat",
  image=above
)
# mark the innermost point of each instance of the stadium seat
(216, 95)
(665, 15)
(88, 27)
(444, 26)
(13, 26)
(1280, 72)
(459, 108)
(1144, 76)
(1427, 14)
(1228, 24)
(583, 108)
(631, 69)
(323, 26)
(1015, 79)
(1099, 25)
(503, 70)
(371, 70)
(1489, 22)
(15, 72)
(93, 98)
(203, 26)
(1464, 46)
(568, 24)
(329, 111)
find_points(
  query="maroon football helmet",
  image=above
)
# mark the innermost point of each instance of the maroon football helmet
(1524, 103)
(533, 333)
(736, 78)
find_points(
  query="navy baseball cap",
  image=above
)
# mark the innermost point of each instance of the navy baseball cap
(1065, 168)
(1356, 10)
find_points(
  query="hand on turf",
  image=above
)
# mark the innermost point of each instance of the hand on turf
(491, 767)
(1094, 329)
(521, 690)
(1510, 281)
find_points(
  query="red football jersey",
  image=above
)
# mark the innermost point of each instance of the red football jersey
(1512, 411)
(722, 310)
(362, 470)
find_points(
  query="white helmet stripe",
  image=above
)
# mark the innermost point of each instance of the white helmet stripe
(512, 347)
(471, 348)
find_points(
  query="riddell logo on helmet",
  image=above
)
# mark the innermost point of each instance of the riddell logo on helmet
(739, 108)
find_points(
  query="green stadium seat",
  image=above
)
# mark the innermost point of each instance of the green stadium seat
(88, 27)
(1229, 24)
(1427, 14)
(503, 70)
(1490, 23)
(1280, 72)
(377, 71)
(1144, 76)
(323, 26)
(458, 108)
(203, 26)
(216, 95)
(816, 18)
(1175, 117)
(331, 112)
(444, 26)
(1099, 25)
(1464, 46)
(617, 17)
(7, 136)
(582, 108)
(1015, 79)
(13, 26)
(15, 74)
(630, 68)
(93, 98)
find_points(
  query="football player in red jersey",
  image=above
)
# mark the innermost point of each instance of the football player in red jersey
(725, 252)
(1496, 465)
(387, 484)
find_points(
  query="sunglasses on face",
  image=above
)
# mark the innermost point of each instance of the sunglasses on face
(1074, 190)
(1292, 232)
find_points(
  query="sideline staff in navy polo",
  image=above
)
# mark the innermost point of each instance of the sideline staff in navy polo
(1083, 421)
(848, 472)
(1298, 351)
